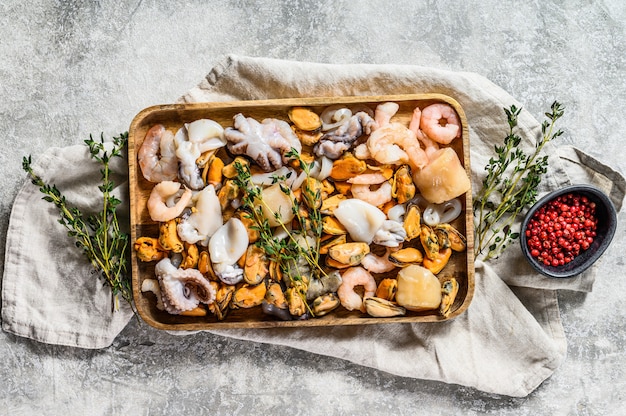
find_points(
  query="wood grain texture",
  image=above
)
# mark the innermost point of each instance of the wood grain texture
(173, 116)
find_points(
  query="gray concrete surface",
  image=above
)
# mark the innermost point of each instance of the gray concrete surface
(71, 68)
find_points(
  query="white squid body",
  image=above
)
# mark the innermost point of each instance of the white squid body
(361, 220)
(226, 246)
(206, 134)
(204, 221)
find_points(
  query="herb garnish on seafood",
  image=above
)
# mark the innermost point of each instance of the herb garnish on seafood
(287, 252)
(511, 184)
(99, 235)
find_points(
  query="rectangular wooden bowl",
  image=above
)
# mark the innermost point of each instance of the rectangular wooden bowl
(460, 266)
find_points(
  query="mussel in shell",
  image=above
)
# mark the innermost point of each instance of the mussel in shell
(382, 308)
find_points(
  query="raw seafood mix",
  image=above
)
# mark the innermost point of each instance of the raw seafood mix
(301, 216)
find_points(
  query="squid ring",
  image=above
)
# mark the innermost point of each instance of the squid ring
(334, 116)
(442, 213)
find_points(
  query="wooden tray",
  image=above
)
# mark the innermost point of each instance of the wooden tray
(461, 265)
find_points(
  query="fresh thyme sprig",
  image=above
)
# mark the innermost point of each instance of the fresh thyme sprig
(312, 224)
(511, 184)
(98, 235)
(288, 252)
(281, 250)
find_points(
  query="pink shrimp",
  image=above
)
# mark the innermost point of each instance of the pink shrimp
(355, 276)
(430, 146)
(361, 188)
(440, 123)
(377, 197)
(362, 152)
(378, 264)
(157, 207)
(368, 179)
(384, 112)
(155, 169)
(395, 144)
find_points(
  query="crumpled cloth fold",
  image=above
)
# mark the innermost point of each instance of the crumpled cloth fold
(508, 341)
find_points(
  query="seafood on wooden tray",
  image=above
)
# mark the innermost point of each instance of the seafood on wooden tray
(344, 208)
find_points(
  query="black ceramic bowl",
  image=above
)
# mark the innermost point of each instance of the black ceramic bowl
(607, 223)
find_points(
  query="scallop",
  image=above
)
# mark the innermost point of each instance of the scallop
(277, 205)
(361, 220)
(229, 242)
(444, 178)
(418, 289)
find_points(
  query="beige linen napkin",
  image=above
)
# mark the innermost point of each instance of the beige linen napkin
(49, 292)
(507, 342)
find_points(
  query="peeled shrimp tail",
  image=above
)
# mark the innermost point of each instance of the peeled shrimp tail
(377, 197)
(396, 144)
(157, 207)
(155, 168)
(384, 112)
(355, 276)
(440, 123)
(378, 264)
(418, 158)
(430, 146)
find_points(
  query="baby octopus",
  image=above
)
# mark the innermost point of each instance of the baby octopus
(266, 142)
(182, 289)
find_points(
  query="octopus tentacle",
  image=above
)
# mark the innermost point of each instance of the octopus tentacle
(335, 142)
(331, 149)
(182, 289)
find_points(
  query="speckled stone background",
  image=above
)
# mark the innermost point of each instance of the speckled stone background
(73, 68)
